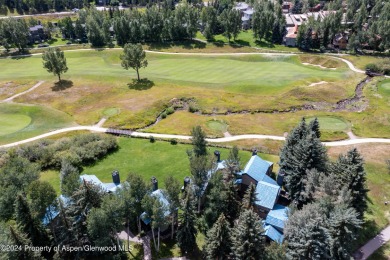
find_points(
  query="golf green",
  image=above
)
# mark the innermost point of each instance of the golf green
(384, 88)
(330, 123)
(11, 123)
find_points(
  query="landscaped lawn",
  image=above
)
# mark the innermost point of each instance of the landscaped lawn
(24, 121)
(159, 159)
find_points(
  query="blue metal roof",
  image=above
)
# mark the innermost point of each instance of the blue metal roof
(273, 233)
(277, 216)
(107, 187)
(163, 200)
(52, 211)
(257, 168)
(267, 194)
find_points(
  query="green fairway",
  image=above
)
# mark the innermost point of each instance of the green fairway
(244, 74)
(384, 88)
(330, 123)
(11, 123)
(19, 122)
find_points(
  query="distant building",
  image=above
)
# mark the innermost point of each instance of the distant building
(290, 39)
(37, 34)
(340, 41)
(246, 14)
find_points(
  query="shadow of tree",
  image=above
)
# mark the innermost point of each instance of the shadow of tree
(187, 44)
(142, 84)
(62, 85)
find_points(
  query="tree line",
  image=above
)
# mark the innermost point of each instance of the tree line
(367, 23)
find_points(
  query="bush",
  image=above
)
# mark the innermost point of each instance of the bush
(151, 139)
(193, 108)
(163, 115)
(170, 110)
(173, 141)
(373, 67)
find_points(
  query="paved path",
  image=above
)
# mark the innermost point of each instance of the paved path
(24, 92)
(101, 122)
(374, 244)
(147, 248)
(186, 137)
(124, 234)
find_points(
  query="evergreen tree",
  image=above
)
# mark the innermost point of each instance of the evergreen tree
(69, 178)
(20, 239)
(314, 126)
(16, 174)
(218, 241)
(30, 225)
(302, 151)
(199, 167)
(85, 198)
(306, 234)
(344, 223)
(275, 251)
(186, 233)
(199, 141)
(248, 242)
(250, 197)
(349, 170)
(233, 163)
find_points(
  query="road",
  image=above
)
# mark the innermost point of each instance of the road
(186, 137)
(374, 244)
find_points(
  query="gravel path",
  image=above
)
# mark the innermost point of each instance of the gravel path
(186, 137)
(10, 99)
(374, 244)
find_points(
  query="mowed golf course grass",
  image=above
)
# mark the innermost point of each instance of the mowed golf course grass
(20, 122)
(96, 83)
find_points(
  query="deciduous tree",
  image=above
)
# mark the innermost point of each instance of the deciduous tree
(54, 61)
(134, 57)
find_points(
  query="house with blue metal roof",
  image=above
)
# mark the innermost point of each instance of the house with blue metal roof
(273, 234)
(267, 195)
(107, 187)
(158, 194)
(277, 217)
(256, 170)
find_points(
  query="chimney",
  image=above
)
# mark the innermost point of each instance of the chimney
(254, 152)
(280, 178)
(218, 155)
(154, 183)
(115, 177)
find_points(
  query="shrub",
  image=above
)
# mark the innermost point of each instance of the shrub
(173, 141)
(373, 67)
(193, 108)
(163, 115)
(151, 139)
(170, 110)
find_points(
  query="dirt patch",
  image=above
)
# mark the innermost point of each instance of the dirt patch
(317, 83)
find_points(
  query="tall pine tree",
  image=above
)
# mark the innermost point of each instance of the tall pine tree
(248, 242)
(218, 242)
